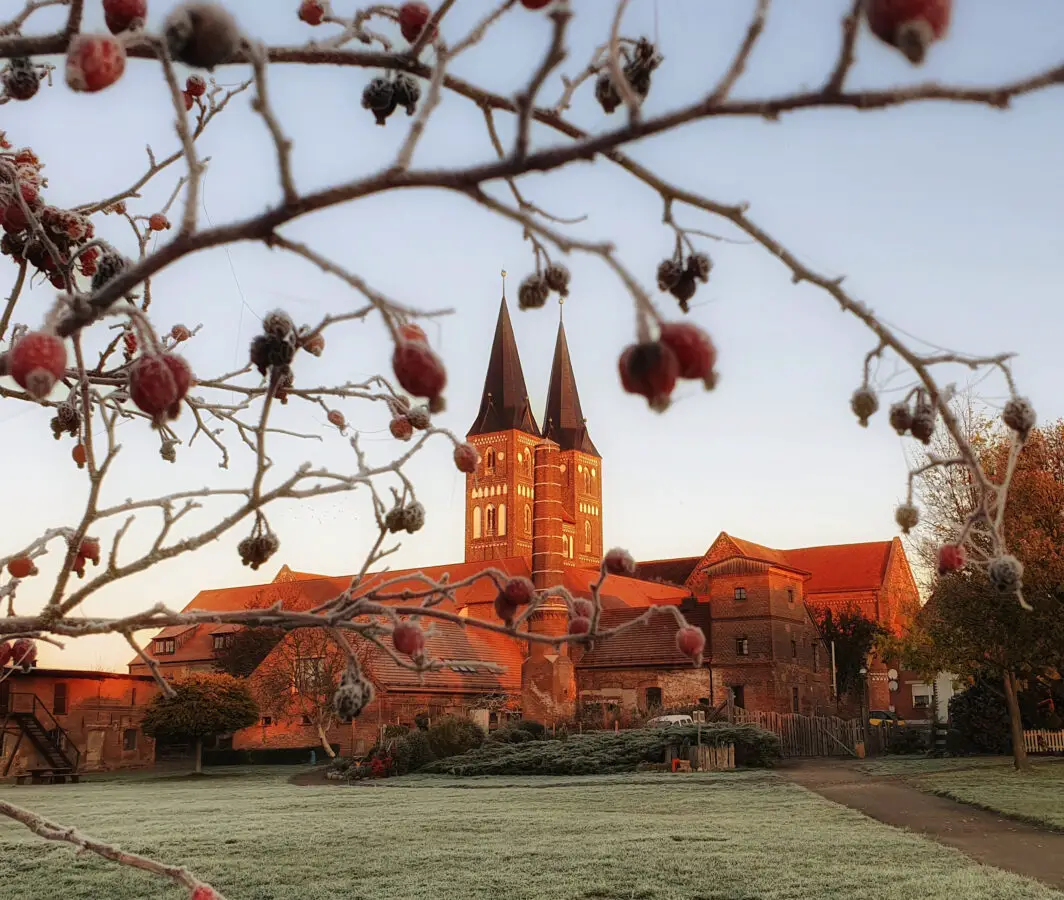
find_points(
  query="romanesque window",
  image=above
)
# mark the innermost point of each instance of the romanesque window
(587, 481)
(740, 593)
(489, 460)
(742, 646)
(794, 649)
(587, 537)
(528, 463)
(476, 522)
(528, 518)
(569, 545)
(490, 520)
(502, 519)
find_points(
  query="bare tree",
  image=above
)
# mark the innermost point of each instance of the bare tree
(103, 355)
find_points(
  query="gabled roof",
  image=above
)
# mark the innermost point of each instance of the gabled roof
(563, 420)
(504, 404)
(843, 567)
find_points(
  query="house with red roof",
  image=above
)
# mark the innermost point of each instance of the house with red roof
(534, 508)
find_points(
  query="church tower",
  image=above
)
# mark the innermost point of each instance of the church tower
(499, 494)
(579, 461)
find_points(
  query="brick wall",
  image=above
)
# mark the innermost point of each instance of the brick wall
(628, 687)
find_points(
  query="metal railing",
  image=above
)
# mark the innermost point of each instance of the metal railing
(26, 703)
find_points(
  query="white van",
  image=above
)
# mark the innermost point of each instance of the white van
(669, 721)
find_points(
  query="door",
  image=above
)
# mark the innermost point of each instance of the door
(59, 699)
(740, 695)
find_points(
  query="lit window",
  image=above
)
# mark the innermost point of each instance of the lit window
(740, 593)
(502, 519)
(476, 522)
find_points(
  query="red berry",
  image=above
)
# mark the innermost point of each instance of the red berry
(583, 609)
(520, 591)
(619, 562)
(411, 332)
(6, 652)
(90, 549)
(121, 15)
(203, 892)
(649, 369)
(951, 558)
(189, 100)
(130, 340)
(690, 641)
(694, 351)
(336, 418)
(466, 458)
(505, 608)
(314, 344)
(536, 4)
(418, 369)
(57, 280)
(579, 625)
(158, 222)
(910, 25)
(401, 428)
(312, 11)
(36, 362)
(21, 567)
(94, 62)
(408, 639)
(195, 85)
(79, 455)
(412, 19)
(158, 384)
(23, 652)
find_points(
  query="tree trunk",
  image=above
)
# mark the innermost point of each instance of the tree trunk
(1019, 749)
(325, 743)
(199, 756)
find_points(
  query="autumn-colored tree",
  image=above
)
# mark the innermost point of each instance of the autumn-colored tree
(299, 676)
(245, 650)
(200, 706)
(854, 637)
(967, 627)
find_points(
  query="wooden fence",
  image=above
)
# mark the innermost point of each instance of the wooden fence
(1044, 741)
(808, 735)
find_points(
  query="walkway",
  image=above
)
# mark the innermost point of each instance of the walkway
(984, 836)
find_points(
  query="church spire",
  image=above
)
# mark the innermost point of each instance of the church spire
(504, 405)
(563, 421)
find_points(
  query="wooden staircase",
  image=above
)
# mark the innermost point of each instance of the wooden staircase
(26, 716)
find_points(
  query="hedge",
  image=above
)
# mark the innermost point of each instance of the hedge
(607, 752)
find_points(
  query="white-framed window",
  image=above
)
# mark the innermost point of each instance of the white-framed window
(164, 646)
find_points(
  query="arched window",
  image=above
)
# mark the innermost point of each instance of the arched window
(568, 538)
(528, 518)
(476, 522)
(587, 537)
(587, 481)
(490, 521)
(502, 519)
(489, 460)
(528, 463)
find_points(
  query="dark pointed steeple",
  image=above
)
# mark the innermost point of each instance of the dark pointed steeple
(504, 405)
(563, 421)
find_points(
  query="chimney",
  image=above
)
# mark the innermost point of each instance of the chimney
(548, 549)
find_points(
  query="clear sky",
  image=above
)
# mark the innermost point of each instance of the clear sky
(945, 219)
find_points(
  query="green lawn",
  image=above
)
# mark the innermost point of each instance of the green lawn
(920, 765)
(1037, 797)
(713, 837)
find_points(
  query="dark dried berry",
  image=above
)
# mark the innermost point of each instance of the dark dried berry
(684, 289)
(269, 351)
(379, 97)
(699, 265)
(606, 93)
(533, 292)
(406, 92)
(279, 324)
(1020, 416)
(557, 279)
(110, 265)
(901, 419)
(258, 548)
(66, 421)
(21, 79)
(669, 273)
(202, 35)
(922, 426)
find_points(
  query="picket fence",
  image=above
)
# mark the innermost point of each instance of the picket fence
(808, 735)
(1044, 741)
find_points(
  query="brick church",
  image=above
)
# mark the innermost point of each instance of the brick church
(535, 508)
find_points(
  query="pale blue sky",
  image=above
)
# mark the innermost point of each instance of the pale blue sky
(946, 220)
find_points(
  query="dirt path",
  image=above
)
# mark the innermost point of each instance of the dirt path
(984, 836)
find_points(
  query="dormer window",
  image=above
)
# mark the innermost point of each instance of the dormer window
(164, 646)
(222, 642)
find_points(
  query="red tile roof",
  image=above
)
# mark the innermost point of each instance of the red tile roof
(650, 644)
(842, 567)
(669, 571)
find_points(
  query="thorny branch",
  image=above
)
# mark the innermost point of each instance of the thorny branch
(374, 603)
